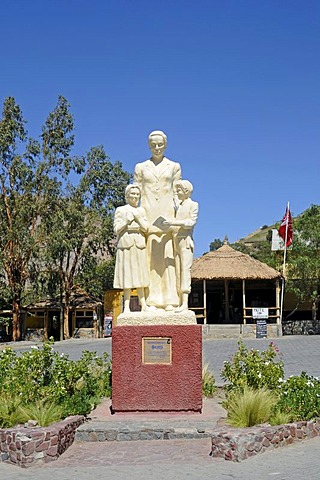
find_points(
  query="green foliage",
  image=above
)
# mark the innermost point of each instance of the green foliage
(299, 397)
(43, 412)
(279, 418)
(10, 413)
(208, 382)
(55, 209)
(250, 406)
(215, 244)
(261, 250)
(96, 276)
(304, 258)
(42, 375)
(254, 369)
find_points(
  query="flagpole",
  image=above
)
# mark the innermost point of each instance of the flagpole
(285, 241)
(284, 261)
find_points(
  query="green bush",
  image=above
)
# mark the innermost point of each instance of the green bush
(43, 412)
(10, 413)
(253, 368)
(299, 397)
(250, 406)
(279, 418)
(208, 382)
(42, 374)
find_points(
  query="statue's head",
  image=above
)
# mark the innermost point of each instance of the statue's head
(185, 187)
(157, 142)
(133, 194)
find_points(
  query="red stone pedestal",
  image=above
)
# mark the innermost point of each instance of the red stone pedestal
(141, 386)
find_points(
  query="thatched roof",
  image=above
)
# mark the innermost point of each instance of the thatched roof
(227, 263)
(79, 299)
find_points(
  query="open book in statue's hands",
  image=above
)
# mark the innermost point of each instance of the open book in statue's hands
(159, 223)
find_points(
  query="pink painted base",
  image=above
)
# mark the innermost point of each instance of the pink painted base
(137, 386)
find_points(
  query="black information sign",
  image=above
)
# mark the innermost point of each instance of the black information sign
(261, 328)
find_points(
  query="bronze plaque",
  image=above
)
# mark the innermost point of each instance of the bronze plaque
(156, 350)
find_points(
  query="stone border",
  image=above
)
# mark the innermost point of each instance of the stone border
(228, 443)
(26, 446)
(239, 444)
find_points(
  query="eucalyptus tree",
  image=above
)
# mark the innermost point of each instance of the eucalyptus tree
(79, 230)
(30, 180)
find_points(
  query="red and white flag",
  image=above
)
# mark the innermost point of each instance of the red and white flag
(285, 230)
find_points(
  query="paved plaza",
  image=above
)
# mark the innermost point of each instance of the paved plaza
(181, 458)
(299, 353)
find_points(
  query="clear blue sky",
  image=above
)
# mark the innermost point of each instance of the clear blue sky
(235, 84)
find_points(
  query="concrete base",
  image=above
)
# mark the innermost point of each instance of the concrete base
(145, 383)
(157, 317)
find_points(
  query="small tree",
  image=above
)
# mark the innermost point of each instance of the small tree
(304, 259)
(215, 244)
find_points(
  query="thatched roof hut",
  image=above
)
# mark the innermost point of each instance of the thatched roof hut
(227, 263)
(233, 271)
(85, 309)
(79, 299)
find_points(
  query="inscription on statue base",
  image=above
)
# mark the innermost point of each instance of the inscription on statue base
(156, 350)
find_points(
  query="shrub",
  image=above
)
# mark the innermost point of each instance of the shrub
(42, 412)
(41, 374)
(300, 397)
(9, 411)
(208, 382)
(279, 418)
(249, 407)
(253, 368)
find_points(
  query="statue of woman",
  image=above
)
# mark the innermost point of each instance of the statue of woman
(156, 178)
(130, 226)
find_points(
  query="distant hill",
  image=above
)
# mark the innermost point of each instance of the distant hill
(257, 236)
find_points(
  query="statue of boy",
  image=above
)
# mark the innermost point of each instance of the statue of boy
(182, 226)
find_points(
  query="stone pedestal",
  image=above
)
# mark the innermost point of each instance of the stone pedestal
(157, 367)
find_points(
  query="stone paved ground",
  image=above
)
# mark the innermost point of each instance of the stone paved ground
(171, 460)
(182, 459)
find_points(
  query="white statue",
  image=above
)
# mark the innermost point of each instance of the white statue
(130, 226)
(182, 226)
(156, 178)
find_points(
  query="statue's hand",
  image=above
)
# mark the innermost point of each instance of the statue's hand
(130, 217)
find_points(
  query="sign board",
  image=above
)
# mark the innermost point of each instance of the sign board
(258, 313)
(156, 350)
(107, 325)
(261, 329)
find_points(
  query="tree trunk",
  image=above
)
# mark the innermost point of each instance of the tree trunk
(61, 321)
(16, 331)
(315, 308)
(66, 321)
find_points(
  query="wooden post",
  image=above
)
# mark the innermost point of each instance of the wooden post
(278, 302)
(244, 300)
(46, 325)
(73, 323)
(226, 302)
(205, 301)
